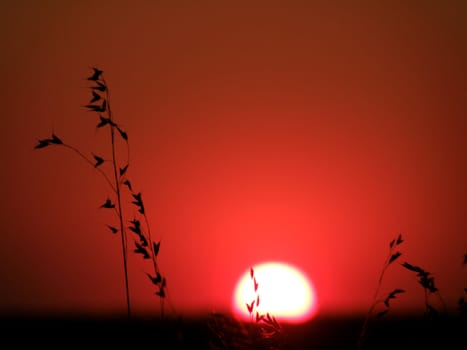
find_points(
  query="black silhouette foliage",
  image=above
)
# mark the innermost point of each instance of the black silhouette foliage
(99, 103)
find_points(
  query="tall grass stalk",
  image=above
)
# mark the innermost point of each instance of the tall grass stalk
(424, 278)
(118, 182)
(392, 256)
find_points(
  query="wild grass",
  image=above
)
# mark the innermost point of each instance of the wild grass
(425, 279)
(268, 326)
(393, 255)
(262, 331)
(114, 168)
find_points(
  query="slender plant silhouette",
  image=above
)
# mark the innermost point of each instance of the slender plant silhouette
(427, 281)
(424, 279)
(393, 255)
(117, 179)
(262, 331)
(268, 324)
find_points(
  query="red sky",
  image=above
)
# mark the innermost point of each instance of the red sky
(308, 132)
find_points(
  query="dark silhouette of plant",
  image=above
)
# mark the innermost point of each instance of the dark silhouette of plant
(264, 327)
(427, 281)
(393, 255)
(424, 278)
(261, 332)
(269, 326)
(120, 186)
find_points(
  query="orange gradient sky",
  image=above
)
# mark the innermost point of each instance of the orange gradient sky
(305, 132)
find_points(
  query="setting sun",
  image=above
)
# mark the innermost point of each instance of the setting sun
(284, 292)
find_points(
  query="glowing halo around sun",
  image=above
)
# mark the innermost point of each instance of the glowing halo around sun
(285, 292)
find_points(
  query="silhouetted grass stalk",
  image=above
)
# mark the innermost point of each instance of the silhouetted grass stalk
(269, 328)
(119, 198)
(144, 245)
(427, 281)
(262, 331)
(393, 255)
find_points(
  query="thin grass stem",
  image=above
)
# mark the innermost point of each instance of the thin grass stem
(119, 202)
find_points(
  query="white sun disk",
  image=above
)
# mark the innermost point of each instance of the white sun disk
(284, 292)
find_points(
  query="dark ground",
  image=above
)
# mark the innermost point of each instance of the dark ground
(320, 333)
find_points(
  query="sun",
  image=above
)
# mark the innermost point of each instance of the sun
(284, 292)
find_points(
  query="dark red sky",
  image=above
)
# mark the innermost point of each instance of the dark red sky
(309, 132)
